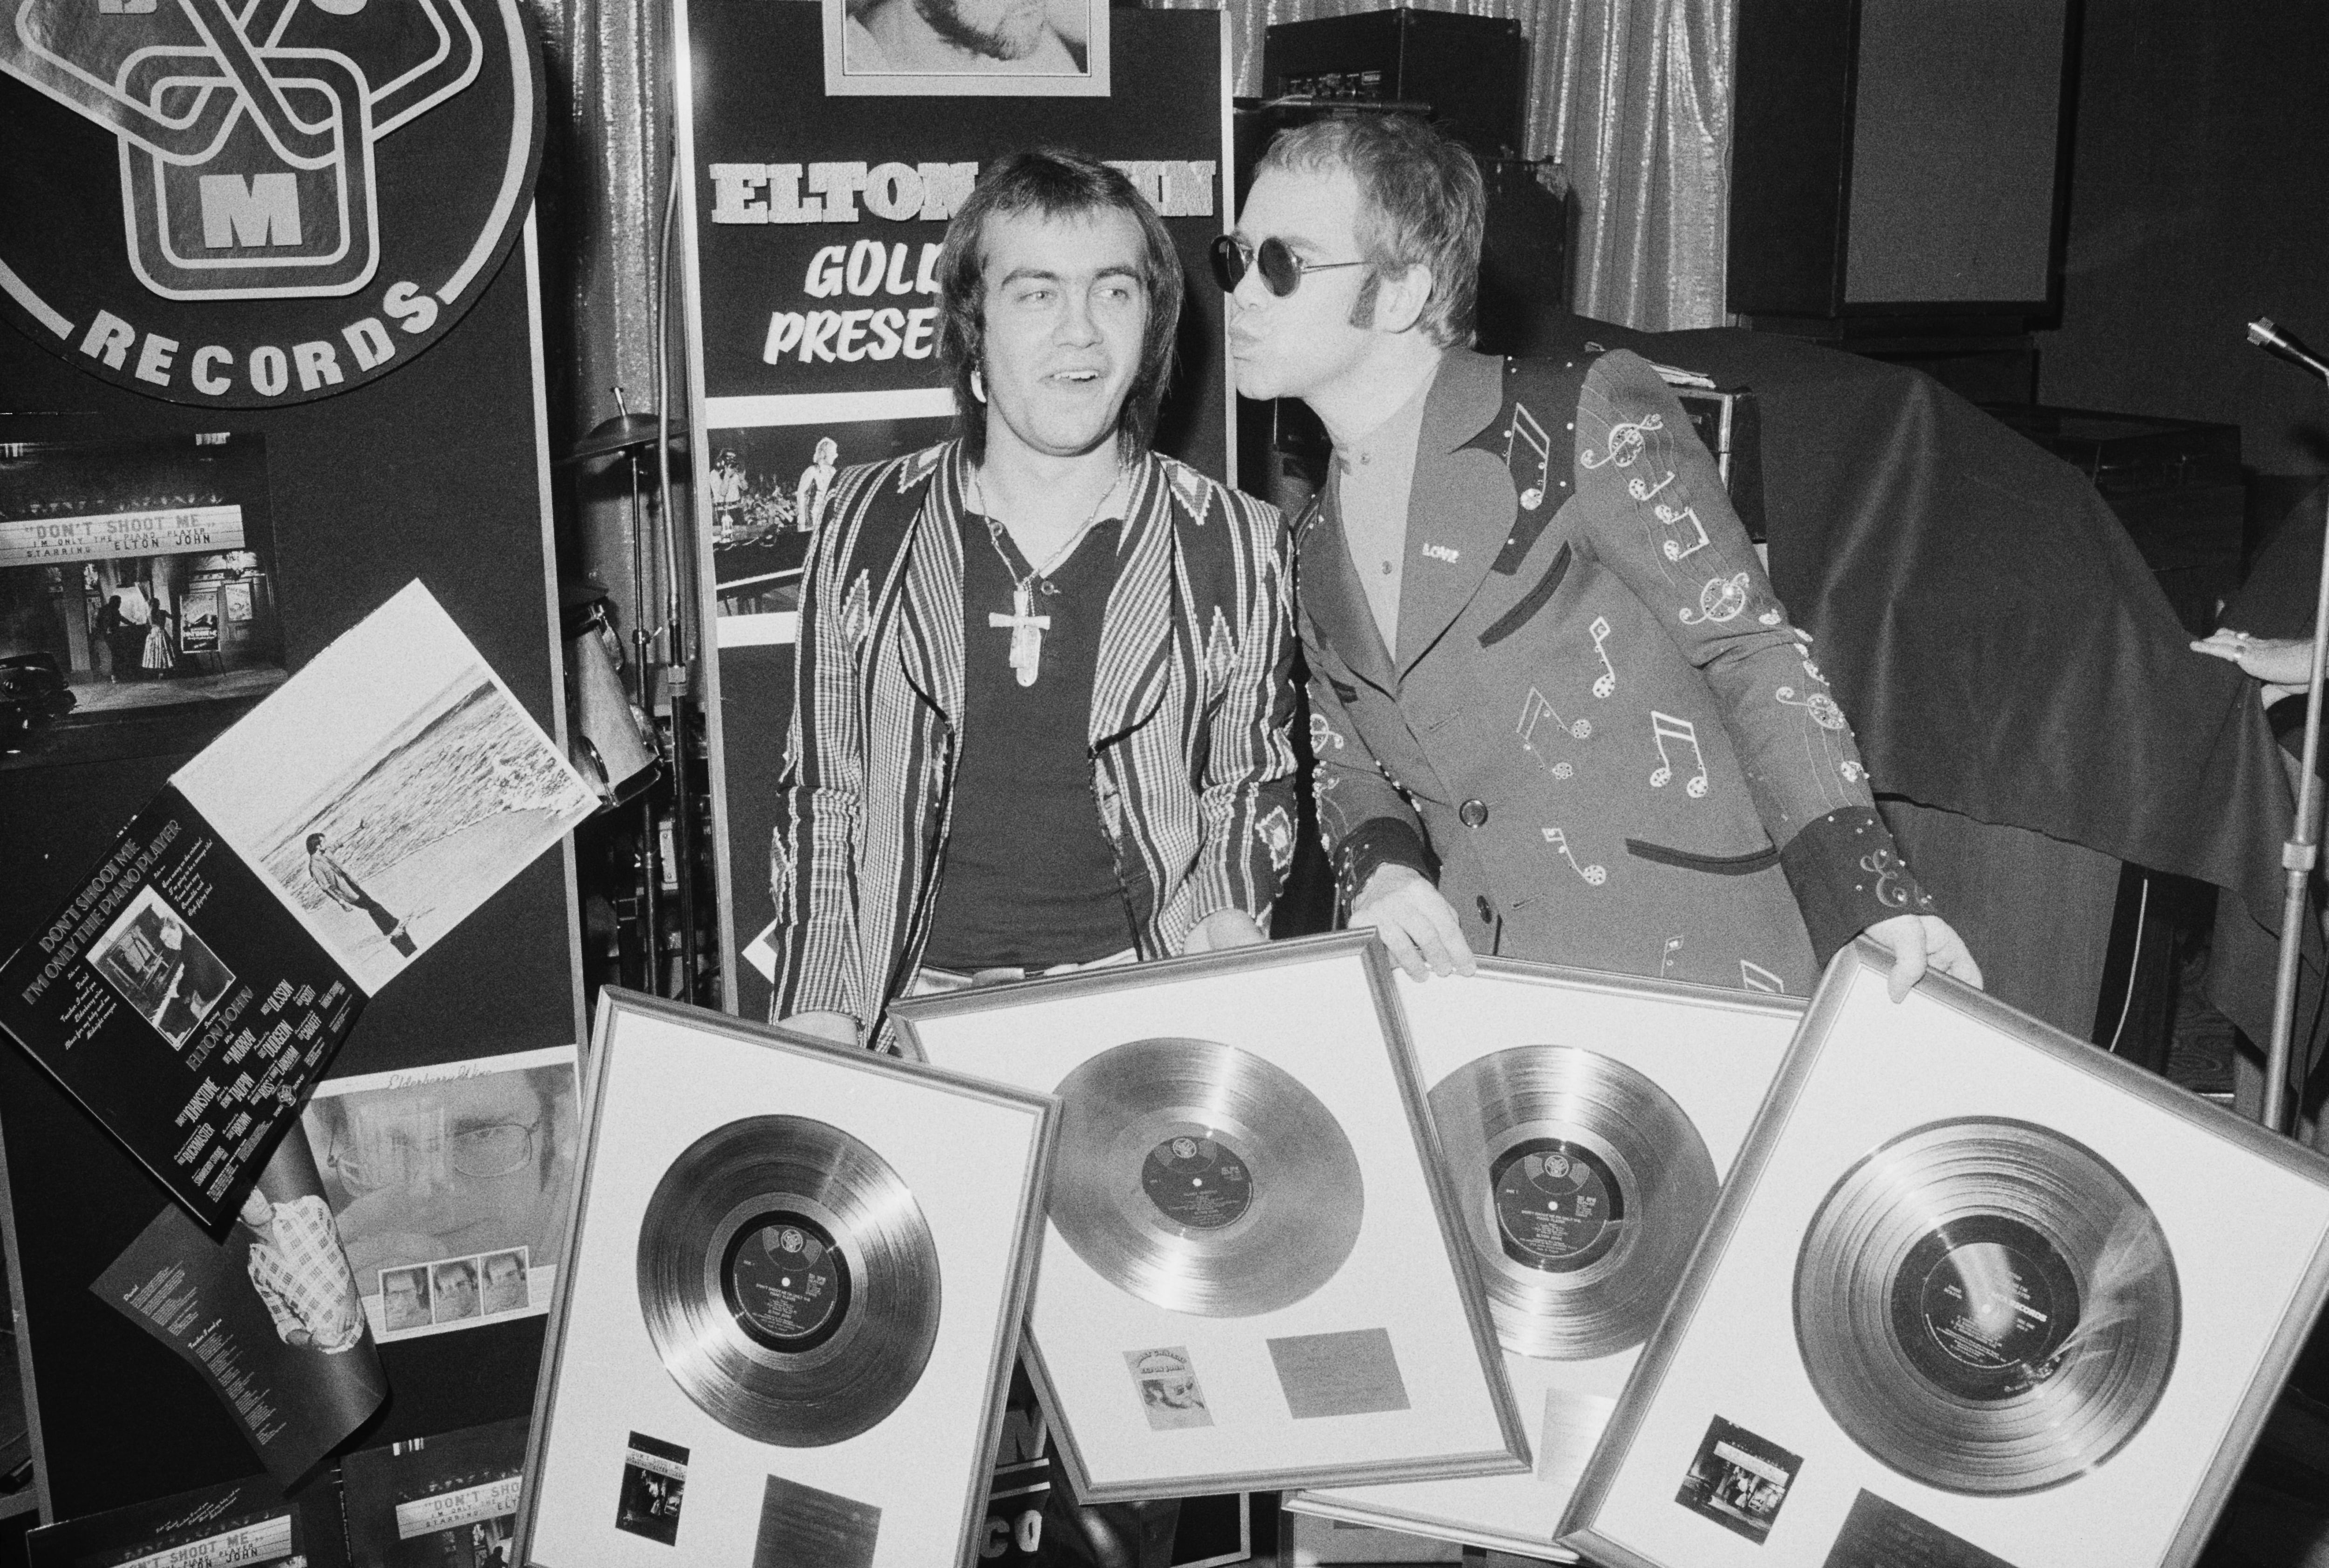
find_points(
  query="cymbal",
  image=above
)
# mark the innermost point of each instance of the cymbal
(622, 433)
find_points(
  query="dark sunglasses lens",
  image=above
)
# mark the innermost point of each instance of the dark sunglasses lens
(1279, 269)
(1228, 263)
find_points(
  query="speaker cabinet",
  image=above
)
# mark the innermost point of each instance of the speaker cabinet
(1471, 70)
(1900, 158)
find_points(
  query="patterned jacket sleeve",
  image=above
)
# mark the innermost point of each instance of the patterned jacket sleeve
(1364, 819)
(812, 860)
(1247, 793)
(1657, 513)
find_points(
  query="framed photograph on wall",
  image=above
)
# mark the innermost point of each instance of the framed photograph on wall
(794, 1282)
(1588, 1120)
(1974, 1289)
(967, 48)
(1254, 1274)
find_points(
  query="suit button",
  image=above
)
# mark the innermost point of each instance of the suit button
(1472, 813)
(1487, 915)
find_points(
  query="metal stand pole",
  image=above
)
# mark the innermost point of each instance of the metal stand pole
(2297, 858)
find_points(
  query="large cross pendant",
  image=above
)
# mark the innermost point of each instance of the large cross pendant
(1026, 633)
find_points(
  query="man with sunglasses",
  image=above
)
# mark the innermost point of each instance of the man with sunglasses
(1558, 712)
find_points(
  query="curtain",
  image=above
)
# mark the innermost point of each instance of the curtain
(1633, 96)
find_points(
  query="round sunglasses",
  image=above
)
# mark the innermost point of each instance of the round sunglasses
(1281, 269)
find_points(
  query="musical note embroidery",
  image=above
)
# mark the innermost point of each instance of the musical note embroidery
(1770, 618)
(1321, 735)
(1723, 598)
(1525, 429)
(1666, 959)
(1642, 491)
(1624, 443)
(1885, 866)
(1535, 707)
(1673, 519)
(1606, 681)
(1818, 705)
(1594, 875)
(1664, 727)
(1755, 977)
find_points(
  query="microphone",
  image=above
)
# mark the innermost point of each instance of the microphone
(2283, 345)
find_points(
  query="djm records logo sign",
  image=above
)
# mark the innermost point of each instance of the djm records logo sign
(260, 202)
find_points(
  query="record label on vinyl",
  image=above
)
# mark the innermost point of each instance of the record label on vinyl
(1985, 1303)
(1987, 1306)
(786, 1283)
(1198, 1183)
(1557, 1204)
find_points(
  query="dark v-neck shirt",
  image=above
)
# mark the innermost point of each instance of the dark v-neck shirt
(1029, 877)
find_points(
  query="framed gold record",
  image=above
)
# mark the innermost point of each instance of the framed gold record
(1587, 1119)
(1254, 1275)
(786, 1328)
(1974, 1290)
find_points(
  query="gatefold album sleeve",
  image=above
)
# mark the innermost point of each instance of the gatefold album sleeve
(198, 983)
(250, 1524)
(267, 1318)
(447, 1501)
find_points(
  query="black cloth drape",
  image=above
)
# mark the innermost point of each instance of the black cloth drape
(1998, 641)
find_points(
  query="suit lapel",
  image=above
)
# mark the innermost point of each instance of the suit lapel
(933, 609)
(1460, 506)
(1138, 623)
(1333, 596)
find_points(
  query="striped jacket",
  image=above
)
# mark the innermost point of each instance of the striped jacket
(1192, 763)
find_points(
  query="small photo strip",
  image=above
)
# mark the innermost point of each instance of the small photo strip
(1739, 1479)
(451, 1291)
(1169, 1393)
(655, 1477)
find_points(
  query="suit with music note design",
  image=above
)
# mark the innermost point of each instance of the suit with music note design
(1599, 731)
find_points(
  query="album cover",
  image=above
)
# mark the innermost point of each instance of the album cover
(451, 1185)
(1255, 1274)
(1588, 1119)
(137, 611)
(267, 1318)
(447, 1501)
(199, 981)
(389, 788)
(785, 1330)
(250, 1524)
(1973, 1290)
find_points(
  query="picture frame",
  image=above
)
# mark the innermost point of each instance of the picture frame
(1030, 48)
(1955, 1234)
(864, 1432)
(1262, 1350)
(1713, 1052)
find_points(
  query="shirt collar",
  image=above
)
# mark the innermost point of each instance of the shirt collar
(1395, 436)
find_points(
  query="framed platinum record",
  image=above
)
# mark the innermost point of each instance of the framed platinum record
(796, 1280)
(1254, 1275)
(1588, 1121)
(1975, 1294)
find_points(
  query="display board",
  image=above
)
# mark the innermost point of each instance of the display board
(438, 471)
(812, 227)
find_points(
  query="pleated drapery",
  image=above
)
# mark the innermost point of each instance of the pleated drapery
(1633, 96)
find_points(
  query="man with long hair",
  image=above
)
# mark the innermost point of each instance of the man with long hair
(1558, 711)
(1042, 695)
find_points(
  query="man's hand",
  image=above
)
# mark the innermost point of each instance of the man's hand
(1418, 925)
(838, 1027)
(1222, 929)
(1918, 943)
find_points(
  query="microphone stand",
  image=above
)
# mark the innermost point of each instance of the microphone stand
(2301, 850)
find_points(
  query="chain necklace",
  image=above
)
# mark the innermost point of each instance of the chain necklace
(1027, 628)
